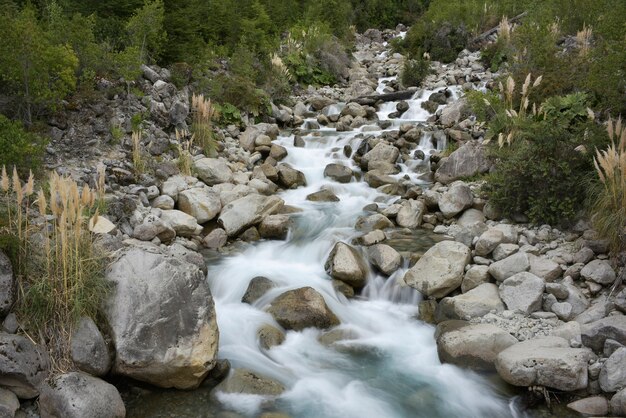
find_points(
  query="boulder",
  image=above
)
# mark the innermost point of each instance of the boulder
(440, 270)
(185, 225)
(594, 334)
(275, 227)
(474, 277)
(523, 292)
(381, 152)
(373, 222)
(547, 361)
(618, 403)
(9, 403)
(248, 137)
(338, 172)
(456, 199)
(354, 109)
(78, 395)
(613, 374)
(89, 350)
(545, 268)
(248, 211)
(164, 202)
(488, 242)
(257, 287)
(598, 271)
(270, 336)
(302, 308)
(454, 113)
(323, 195)
(213, 171)
(7, 285)
(23, 365)
(290, 177)
(174, 185)
(473, 346)
(410, 214)
(468, 160)
(215, 239)
(162, 318)
(594, 406)
(201, 203)
(371, 238)
(346, 264)
(474, 304)
(503, 269)
(249, 382)
(384, 258)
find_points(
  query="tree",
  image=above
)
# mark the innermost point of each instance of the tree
(146, 31)
(40, 72)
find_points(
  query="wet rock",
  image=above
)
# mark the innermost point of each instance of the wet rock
(375, 179)
(371, 238)
(275, 227)
(247, 381)
(343, 288)
(474, 304)
(7, 285)
(440, 270)
(248, 211)
(302, 308)
(596, 333)
(373, 222)
(381, 152)
(185, 225)
(338, 172)
(455, 200)
(169, 338)
(594, 406)
(201, 203)
(503, 269)
(23, 365)
(78, 395)
(354, 109)
(89, 350)
(323, 196)
(270, 336)
(473, 346)
(523, 292)
(290, 177)
(257, 287)
(384, 258)
(411, 213)
(613, 373)
(598, 271)
(213, 171)
(468, 160)
(547, 361)
(346, 264)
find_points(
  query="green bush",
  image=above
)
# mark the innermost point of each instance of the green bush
(414, 71)
(19, 147)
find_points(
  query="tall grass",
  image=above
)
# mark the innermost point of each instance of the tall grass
(609, 198)
(185, 158)
(139, 163)
(58, 269)
(204, 113)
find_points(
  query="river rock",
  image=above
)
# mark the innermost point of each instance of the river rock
(9, 403)
(215, 239)
(174, 185)
(594, 406)
(163, 202)
(23, 365)
(162, 319)
(323, 195)
(373, 222)
(371, 238)
(474, 277)
(503, 250)
(90, 352)
(290, 177)
(455, 200)
(381, 152)
(248, 211)
(474, 304)
(618, 403)
(596, 333)
(376, 178)
(547, 361)
(78, 395)
(503, 269)
(384, 258)
(468, 160)
(454, 113)
(598, 271)
(488, 242)
(338, 172)
(247, 381)
(201, 203)
(545, 268)
(410, 214)
(473, 346)
(440, 270)
(523, 292)
(270, 336)
(275, 227)
(213, 171)
(302, 308)
(613, 373)
(7, 285)
(346, 264)
(257, 287)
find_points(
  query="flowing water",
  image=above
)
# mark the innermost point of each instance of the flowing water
(386, 363)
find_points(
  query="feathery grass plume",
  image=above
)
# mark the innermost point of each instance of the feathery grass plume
(185, 158)
(279, 66)
(138, 162)
(5, 184)
(505, 29)
(101, 180)
(204, 113)
(609, 199)
(583, 40)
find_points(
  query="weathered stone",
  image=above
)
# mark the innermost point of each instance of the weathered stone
(454, 113)
(545, 268)
(162, 319)
(503, 250)
(547, 361)
(215, 239)
(346, 264)
(594, 406)
(475, 303)
(411, 213)
(618, 403)
(23, 365)
(596, 333)
(302, 308)
(247, 381)
(384, 258)
(371, 238)
(455, 200)
(338, 172)
(613, 373)
(373, 222)
(248, 211)
(270, 336)
(474, 277)
(468, 160)
(78, 395)
(7, 285)
(213, 171)
(323, 195)
(89, 350)
(381, 152)
(290, 177)
(522, 292)
(275, 227)
(185, 225)
(163, 202)
(9, 403)
(201, 203)
(503, 269)
(257, 287)
(598, 271)
(488, 241)
(440, 270)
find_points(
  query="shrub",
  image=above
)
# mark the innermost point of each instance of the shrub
(139, 164)
(19, 147)
(185, 158)
(414, 71)
(204, 113)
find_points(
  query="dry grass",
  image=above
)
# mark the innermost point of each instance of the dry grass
(583, 40)
(609, 201)
(59, 272)
(138, 161)
(204, 113)
(185, 158)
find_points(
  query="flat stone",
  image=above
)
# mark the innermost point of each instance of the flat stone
(503, 269)
(595, 333)
(473, 304)
(522, 292)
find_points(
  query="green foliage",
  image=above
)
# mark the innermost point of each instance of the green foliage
(414, 71)
(383, 14)
(228, 114)
(145, 30)
(20, 148)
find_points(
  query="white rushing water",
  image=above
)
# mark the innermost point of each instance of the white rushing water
(387, 366)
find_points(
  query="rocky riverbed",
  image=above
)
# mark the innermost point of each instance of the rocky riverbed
(352, 270)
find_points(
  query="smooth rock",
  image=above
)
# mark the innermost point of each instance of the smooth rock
(250, 382)
(598, 271)
(474, 277)
(215, 239)
(596, 333)
(257, 287)
(522, 292)
(338, 172)
(503, 269)
(488, 241)
(213, 171)
(201, 203)
(613, 374)
(456, 199)
(474, 304)
(185, 225)
(275, 227)
(468, 160)
(384, 258)
(410, 214)
(302, 308)
(594, 406)
(89, 350)
(346, 264)
(248, 211)
(270, 336)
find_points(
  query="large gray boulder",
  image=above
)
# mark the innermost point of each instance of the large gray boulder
(338, 172)
(599, 271)
(618, 403)
(184, 224)
(488, 242)
(454, 113)
(523, 292)
(162, 319)
(7, 285)
(410, 214)
(78, 395)
(248, 138)
(384, 258)
(381, 152)
(513, 264)
(473, 304)
(545, 268)
(346, 264)
(200, 202)
(302, 308)
(23, 365)
(596, 333)
(454, 201)
(468, 160)
(89, 350)
(440, 270)
(289, 177)
(613, 373)
(248, 211)
(547, 361)
(9, 403)
(473, 346)
(213, 171)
